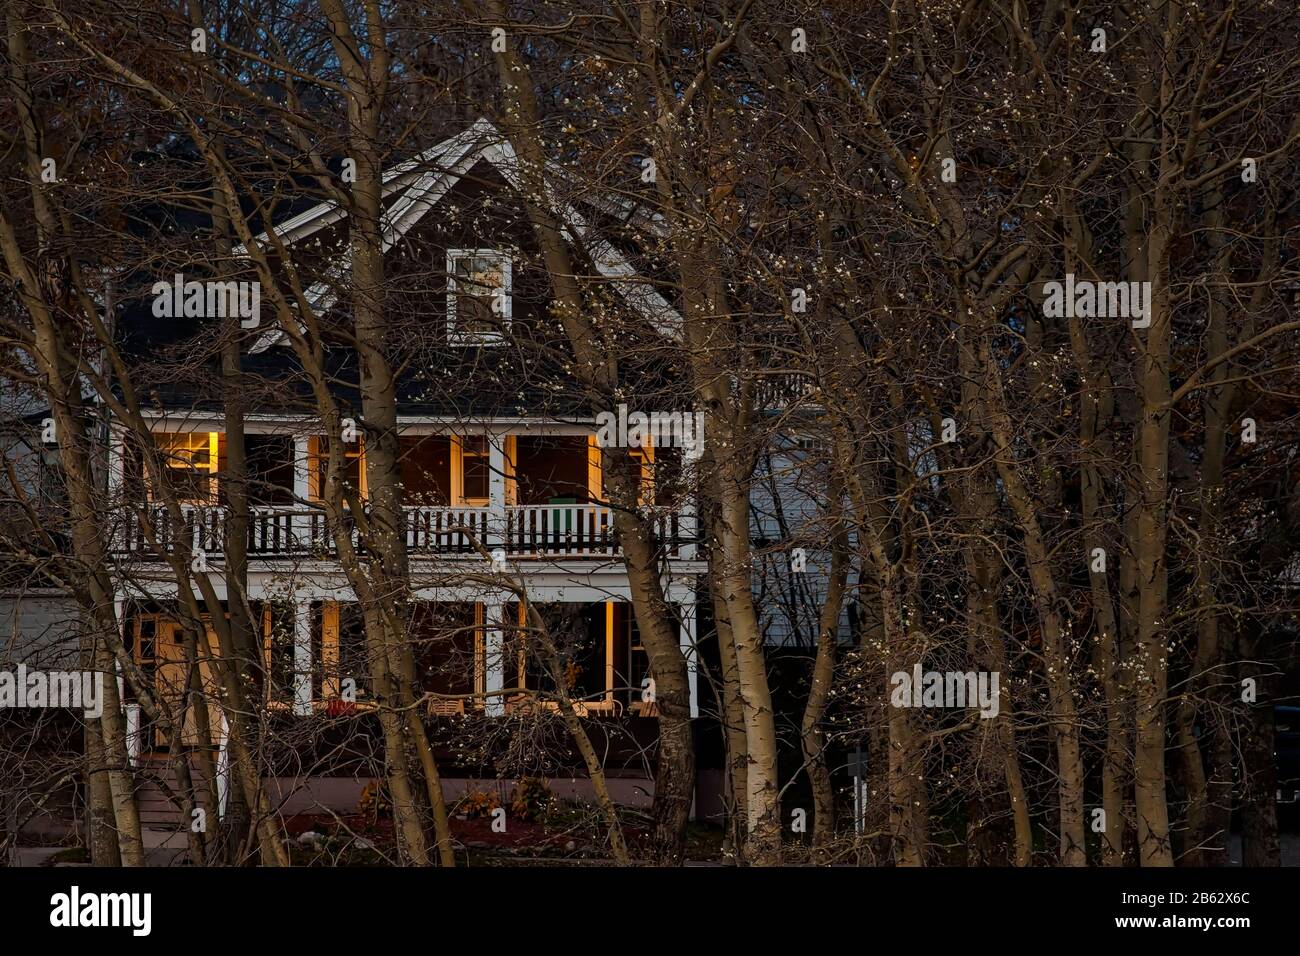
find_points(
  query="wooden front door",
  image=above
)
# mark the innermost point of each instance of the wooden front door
(160, 651)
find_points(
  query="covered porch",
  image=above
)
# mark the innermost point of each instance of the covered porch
(525, 495)
(472, 656)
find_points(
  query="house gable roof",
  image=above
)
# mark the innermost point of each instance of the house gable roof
(422, 182)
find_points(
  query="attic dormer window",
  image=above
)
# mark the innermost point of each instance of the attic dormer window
(478, 296)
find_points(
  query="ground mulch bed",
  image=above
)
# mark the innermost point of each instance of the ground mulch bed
(473, 834)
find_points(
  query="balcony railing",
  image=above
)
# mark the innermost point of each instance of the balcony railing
(521, 531)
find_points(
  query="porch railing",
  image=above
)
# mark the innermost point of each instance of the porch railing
(521, 531)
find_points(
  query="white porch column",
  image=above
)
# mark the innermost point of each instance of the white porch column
(496, 492)
(116, 464)
(302, 658)
(119, 608)
(686, 529)
(687, 638)
(301, 492)
(223, 770)
(134, 738)
(134, 745)
(495, 663)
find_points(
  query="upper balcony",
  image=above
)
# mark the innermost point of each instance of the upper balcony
(522, 496)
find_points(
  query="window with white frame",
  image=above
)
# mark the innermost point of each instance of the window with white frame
(475, 469)
(191, 459)
(478, 296)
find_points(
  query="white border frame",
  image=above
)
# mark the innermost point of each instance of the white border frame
(507, 277)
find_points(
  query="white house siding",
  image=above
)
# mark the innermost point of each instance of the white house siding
(785, 514)
(40, 630)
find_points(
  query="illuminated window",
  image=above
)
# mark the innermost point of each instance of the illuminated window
(478, 296)
(191, 460)
(353, 472)
(475, 467)
(277, 625)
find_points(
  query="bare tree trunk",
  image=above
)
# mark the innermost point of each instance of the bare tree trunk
(1056, 650)
(64, 389)
(1100, 538)
(195, 700)
(238, 643)
(597, 369)
(675, 763)
(812, 736)
(990, 651)
(731, 575)
(367, 86)
(733, 728)
(1208, 778)
(101, 836)
(1152, 527)
(1260, 844)
(573, 724)
(906, 781)
(113, 724)
(975, 498)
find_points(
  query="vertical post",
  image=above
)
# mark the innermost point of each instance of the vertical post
(116, 463)
(687, 638)
(9, 803)
(686, 529)
(494, 653)
(133, 744)
(858, 771)
(302, 659)
(496, 492)
(223, 769)
(301, 523)
(116, 478)
(119, 608)
(609, 654)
